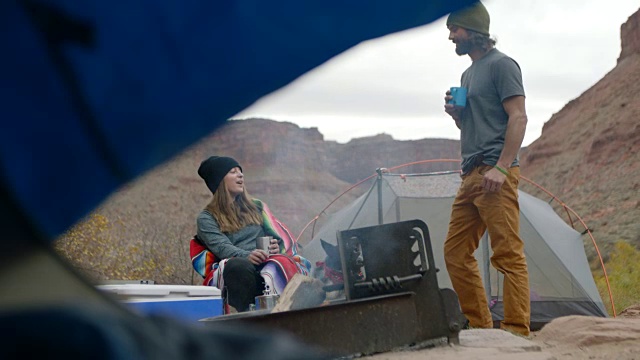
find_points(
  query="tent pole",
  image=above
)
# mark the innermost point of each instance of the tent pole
(361, 206)
(485, 265)
(379, 183)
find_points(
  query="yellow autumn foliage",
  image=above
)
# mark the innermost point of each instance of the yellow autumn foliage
(105, 250)
(623, 270)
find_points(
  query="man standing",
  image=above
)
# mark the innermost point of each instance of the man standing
(492, 128)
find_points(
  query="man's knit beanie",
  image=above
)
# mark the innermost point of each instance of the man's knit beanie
(474, 17)
(214, 169)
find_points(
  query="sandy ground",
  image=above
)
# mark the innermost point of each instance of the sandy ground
(571, 337)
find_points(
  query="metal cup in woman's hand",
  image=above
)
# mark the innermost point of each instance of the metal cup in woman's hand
(263, 242)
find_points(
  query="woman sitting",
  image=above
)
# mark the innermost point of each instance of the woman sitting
(229, 226)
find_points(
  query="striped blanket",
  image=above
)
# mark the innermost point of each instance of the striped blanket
(276, 271)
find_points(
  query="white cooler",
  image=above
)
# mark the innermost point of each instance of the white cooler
(186, 302)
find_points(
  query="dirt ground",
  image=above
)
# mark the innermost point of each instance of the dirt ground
(570, 337)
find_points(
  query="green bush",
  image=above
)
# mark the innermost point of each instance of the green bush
(623, 270)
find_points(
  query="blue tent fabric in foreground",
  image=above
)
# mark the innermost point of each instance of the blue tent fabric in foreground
(96, 93)
(93, 94)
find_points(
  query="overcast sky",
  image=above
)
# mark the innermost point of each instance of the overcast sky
(396, 84)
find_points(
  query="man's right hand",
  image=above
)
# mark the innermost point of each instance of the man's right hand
(450, 109)
(257, 256)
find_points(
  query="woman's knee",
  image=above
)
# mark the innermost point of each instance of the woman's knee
(238, 266)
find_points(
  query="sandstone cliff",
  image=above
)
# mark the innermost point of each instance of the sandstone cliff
(142, 231)
(587, 154)
(298, 173)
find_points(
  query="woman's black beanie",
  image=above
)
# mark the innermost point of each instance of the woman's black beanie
(214, 169)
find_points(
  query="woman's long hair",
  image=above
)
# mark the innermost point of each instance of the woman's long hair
(232, 214)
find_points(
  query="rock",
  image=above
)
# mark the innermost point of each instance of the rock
(630, 36)
(632, 311)
(586, 331)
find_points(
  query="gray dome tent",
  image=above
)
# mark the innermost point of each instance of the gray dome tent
(560, 278)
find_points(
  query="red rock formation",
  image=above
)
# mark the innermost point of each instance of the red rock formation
(588, 153)
(630, 36)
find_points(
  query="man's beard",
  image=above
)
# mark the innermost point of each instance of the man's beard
(463, 47)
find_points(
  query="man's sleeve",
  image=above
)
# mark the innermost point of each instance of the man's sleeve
(508, 78)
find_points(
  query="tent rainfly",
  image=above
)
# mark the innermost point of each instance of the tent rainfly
(560, 278)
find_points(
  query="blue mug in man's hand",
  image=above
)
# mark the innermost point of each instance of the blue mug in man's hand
(459, 96)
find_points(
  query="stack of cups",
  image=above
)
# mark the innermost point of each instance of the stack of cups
(267, 300)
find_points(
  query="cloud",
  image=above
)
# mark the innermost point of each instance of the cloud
(563, 47)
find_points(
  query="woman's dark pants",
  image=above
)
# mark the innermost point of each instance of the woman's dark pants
(243, 283)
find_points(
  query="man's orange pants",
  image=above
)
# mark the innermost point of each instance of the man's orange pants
(474, 211)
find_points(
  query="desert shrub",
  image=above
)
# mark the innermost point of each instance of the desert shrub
(108, 249)
(83, 245)
(623, 270)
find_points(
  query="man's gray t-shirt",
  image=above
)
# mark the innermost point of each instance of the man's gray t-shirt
(489, 81)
